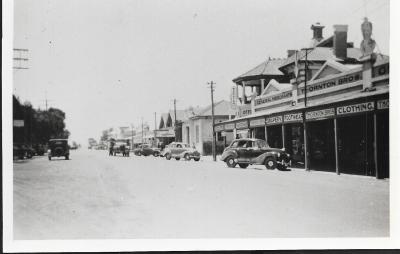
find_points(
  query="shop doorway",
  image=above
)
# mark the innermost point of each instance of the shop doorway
(355, 144)
(259, 132)
(321, 145)
(382, 120)
(294, 143)
(274, 136)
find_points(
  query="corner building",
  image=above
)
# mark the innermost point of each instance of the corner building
(327, 105)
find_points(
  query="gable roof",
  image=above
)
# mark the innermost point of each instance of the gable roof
(269, 67)
(275, 86)
(336, 66)
(221, 108)
(320, 54)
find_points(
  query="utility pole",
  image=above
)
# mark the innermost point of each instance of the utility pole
(175, 121)
(155, 129)
(211, 83)
(305, 109)
(142, 130)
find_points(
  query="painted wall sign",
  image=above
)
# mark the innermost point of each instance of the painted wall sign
(296, 117)
(382, 104)
(229, 126)
(356, 108)
(273, 98)
(219, 128)
(320, 113)
(242, 125)
(273, 120)
(257, 122)
(331, 83)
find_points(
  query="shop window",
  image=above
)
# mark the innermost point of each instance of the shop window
(219, 136)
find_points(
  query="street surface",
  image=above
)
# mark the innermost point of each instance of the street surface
(94, 196)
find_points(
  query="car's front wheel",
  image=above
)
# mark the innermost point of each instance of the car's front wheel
(230, 161)
(139, 153)
(49, 158)
(168, 156)
(243, 165)
(270, 163)
(156, 154)
(177, 158)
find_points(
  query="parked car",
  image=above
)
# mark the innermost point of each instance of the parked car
(21, 151)
(58, 148)
(119, 148)
(146, 150)
(39, 149)
(248, 151)
(180, 150)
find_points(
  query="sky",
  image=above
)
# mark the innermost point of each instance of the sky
(109, 63)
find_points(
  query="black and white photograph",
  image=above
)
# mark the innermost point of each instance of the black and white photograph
(173, 124)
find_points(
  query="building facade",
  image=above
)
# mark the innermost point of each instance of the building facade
(329, 110)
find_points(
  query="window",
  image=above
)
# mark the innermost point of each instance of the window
(197, 134)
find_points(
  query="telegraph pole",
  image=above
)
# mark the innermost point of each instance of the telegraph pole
(305, 109)
(211, 83)
(142, 130)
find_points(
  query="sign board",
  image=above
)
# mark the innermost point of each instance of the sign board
(356, 108)
(242, 125)
(296, 117)
(382, 104)
(18, 123)
(320, 113)
(229, 126)
(219, 128)
(272, 98)
(273, 120)
(257, 122)
(332, 82)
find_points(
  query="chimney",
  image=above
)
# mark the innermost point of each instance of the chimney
(290, 52)
(340, 41)
(317, 31)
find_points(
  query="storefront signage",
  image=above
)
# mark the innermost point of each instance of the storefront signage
(293, 117)
(382, 104)
(356, 108)
(257, 122)
(229, 126)
(273, 98)
(333, 82)
(242, 125)
(320, 113)
(273, 120)
(380, 70)
(218, 127)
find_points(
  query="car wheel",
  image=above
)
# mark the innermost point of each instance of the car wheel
(270, 163)
(243, 165)
(177, 158)
(168, 156)
(139, 153)
(49, 158)
(156, 154)
(196, 159)
(67, 157)
(230, 161)
(187, 157)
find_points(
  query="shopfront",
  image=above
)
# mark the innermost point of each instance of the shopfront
(257, 128)
(382, 136)
(242, 129)
(294, 137)
(321, 139)
(274, 131)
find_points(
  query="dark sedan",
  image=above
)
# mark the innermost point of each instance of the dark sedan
(246, 152)
(146, 150)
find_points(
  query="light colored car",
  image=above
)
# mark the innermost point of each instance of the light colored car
(180, 150)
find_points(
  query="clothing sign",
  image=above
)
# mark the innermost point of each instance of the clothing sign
(229, 126)
(241, 125)
(18, 123)
(297, 117)
(257, 122)
(273, 120)
(382, 104)
(356, 108)
(320, 113)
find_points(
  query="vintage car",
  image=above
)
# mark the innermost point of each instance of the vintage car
(146, 150)
(119, 148)
(180, 150)
(248, 151)
(21, 151)
(58, 148)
